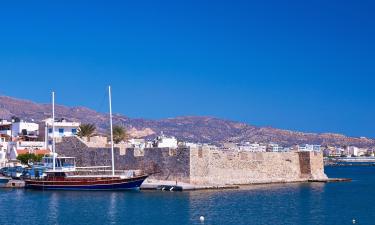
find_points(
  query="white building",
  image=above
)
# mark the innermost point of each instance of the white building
(163, 141)
(5, 127)
(273, 147)
(339, 151)
(63, 128)
(22, 147)
(192, 145)
(309, 148)
(3, 149)
(138, 143)
(24, 128)
(252, 147)
(3, 143)
(352, 151)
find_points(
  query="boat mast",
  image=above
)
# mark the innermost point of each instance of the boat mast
(53, 132)
(111, 127)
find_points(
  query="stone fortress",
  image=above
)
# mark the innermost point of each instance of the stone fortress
(201, 165)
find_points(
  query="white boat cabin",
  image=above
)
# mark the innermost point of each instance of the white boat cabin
(62, 164)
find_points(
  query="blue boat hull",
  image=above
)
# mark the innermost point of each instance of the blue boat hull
(4, 180)
(125, 185)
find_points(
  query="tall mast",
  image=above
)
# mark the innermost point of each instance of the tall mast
(111, 127)
(53, 132)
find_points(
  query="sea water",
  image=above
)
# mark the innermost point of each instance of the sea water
(298, 203)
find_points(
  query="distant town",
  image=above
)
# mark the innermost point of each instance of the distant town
(19, 137)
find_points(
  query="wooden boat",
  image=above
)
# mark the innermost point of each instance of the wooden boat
(61, 173)
(66, 176)
(62, 181)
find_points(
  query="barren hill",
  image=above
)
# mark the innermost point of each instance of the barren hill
(188, 128)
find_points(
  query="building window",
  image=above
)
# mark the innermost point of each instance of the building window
(74, 131)
(61, 131)
(50, 130)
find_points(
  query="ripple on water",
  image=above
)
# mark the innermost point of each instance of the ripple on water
(314, 203)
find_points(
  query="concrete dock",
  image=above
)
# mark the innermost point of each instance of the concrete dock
(14, 184)
(332, 180)
(150, 184)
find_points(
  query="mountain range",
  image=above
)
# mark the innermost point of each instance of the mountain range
(201, 129)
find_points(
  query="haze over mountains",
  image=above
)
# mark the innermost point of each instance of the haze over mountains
(187, 128)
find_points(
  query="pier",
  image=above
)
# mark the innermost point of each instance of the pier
(165, 185)
(14, 184)
(331, 180)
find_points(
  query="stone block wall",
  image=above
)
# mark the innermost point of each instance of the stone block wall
(312, 166)
(162, 163)
(227, 167)
(201, 165)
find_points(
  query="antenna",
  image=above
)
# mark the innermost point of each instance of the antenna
(53, 132)
(111, 127)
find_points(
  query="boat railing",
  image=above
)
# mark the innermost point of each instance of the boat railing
(105, 171)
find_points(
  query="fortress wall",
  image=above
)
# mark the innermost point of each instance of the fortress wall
(312, 165)
(202, 166)
(162, 163)
(226, 167)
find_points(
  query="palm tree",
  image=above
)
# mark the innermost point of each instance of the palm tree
(86, 130)
(119, 134)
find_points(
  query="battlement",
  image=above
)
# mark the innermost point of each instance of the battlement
(202, 165)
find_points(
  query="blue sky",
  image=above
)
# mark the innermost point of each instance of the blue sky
(297, 65)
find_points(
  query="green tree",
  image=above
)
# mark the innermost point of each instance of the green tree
(119, 134)
(86, 130)
(26, 158)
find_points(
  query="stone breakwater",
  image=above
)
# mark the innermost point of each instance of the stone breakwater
(201, 165)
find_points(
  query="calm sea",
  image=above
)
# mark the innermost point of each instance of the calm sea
(333, 203)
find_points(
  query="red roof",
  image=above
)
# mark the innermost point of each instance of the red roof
(36, 152)
(22, 151)
(42, 151)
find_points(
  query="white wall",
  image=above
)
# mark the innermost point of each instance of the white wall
(29, 127)
(6, 132)
(353, 150)
(67, 131)
(67, 128)
(166, 142)
(2, 158)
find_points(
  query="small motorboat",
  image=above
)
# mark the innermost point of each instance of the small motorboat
(4, 180)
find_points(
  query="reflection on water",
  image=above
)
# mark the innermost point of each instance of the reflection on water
(53, 208)
(112, 208)
(311, 203)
